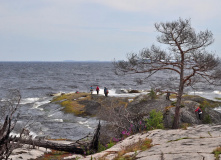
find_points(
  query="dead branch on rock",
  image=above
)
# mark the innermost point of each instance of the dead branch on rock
(7, 143)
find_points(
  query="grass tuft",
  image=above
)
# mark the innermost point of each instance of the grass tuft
(179, 139)
(217, 152)
(140, 145)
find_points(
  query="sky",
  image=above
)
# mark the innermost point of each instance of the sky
(95, 30)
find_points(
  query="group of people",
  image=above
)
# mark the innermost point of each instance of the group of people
(98, 89)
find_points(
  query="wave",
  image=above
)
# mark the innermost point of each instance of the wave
(31, 133)
(51, 113)
(217, 92)
(124, 93)
(29, 100)
(38, 104)
(80, 122)
(85, 124)
(57, 120)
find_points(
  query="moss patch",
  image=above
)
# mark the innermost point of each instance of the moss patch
(70, 102)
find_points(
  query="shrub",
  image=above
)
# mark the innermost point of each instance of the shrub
(217, 152)
(101, 147)
(110, 144)
(152, 94)
(140, 145)
(205, 104)
(155, 120)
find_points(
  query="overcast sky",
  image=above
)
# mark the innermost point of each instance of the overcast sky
(57, 30)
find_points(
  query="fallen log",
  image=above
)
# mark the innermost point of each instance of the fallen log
(72, 147)
(79, 147)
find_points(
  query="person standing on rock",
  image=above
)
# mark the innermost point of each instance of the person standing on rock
(105, 91)
(199, 112)
(168, 96)
(97, 89)
(91, 89)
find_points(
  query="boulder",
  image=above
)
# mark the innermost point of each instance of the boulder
(121, 91)
(91, 107)
(133, 91)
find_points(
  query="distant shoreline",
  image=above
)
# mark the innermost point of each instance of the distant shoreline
(56, 61)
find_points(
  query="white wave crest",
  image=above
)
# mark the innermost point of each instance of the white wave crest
(58, 120)
(217, 92)
(38, 104)
(80, 122)
(29, 100)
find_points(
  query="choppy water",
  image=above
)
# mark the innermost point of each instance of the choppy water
(37, 80)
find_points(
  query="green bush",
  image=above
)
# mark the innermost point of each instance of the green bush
(155, 120)
(152, 94)
(101, 147)
(110, 144)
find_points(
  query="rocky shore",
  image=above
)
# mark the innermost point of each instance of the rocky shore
(194, 142)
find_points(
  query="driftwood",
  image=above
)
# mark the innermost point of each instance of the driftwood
(73, 148)
(8, 143)
(78, 147)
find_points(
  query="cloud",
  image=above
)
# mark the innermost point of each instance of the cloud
(98, 25)
(203, 9)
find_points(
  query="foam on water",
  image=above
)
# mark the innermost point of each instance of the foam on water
(29, 100)
(113, 93)
(83, 122)
(86, 124)
(52, 113)
(33, 134)
(38, 104)
(217, 92)
(58, 120)
(208, 95)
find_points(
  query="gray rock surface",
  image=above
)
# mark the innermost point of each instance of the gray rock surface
(197, 142)
(143, 105)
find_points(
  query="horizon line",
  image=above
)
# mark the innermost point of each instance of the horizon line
(60, 61)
